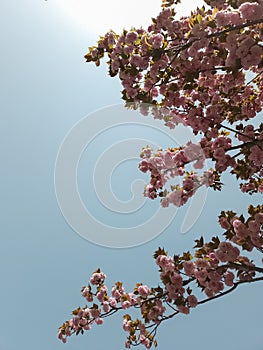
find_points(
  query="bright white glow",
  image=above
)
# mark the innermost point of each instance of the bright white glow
(98, 17)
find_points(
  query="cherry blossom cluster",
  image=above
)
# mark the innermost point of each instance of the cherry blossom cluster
(246, 233)
(215, 269)
(165, 165)
(194, 70)
(250, 168)
(188, 65)
(206, 72)
(85, 317)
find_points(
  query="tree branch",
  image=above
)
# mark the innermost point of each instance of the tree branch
(214, 35)
(236, 284)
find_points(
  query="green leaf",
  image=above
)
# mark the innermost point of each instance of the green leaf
(76, 311)
(187, 256)
(189, 290)
(199, 242)
(159, 251)
(199, 18)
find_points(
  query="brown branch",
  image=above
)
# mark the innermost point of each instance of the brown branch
(214, 35)
(247, 144)
(252, 80)
(245, 267)
(236, 284)
(232, 28)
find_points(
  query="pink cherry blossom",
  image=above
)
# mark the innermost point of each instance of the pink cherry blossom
(202, 72)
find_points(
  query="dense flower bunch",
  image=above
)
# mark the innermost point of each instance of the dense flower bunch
(215, 269)
(164, 165)
(194, 71)
(246, 233)
(206, 72)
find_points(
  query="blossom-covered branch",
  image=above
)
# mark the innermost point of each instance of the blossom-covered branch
(203, 71)
(171, 71)
(215, 269)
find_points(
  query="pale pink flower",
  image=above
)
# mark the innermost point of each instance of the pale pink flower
(144, 290)
(95, 313)
(183, 309)
(125, 304)
(256, 155)
(259, 218)
(127, 345)
(131, 37)
(224, 223)
(165, 202)
(189, 268)
(201, 275)
(62, 337)
(175, 198)
(113, 302)
(99, 321)
(192, 300)
(126, 325)
(106, 306)
(229, 278)
(251, 11)
(247, 187)
(240, 229)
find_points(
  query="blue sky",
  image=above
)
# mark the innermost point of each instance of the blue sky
(46, 88)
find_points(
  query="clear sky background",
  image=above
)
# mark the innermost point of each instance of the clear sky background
(46, 88)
